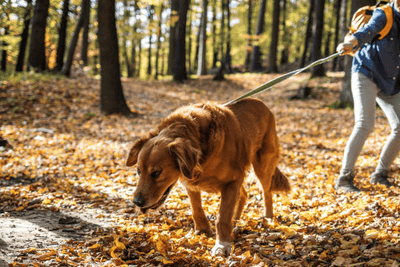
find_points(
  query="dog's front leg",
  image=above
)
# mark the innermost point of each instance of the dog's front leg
(201, 224)
(229, 199)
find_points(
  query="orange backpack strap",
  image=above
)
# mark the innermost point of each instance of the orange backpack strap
(389, 21)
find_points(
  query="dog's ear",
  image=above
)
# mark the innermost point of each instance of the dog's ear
(187, 157)
(134, 152)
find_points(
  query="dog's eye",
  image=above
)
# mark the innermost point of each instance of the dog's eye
(155, 175)
(138, 172)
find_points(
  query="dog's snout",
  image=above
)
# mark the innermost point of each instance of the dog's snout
(139, 201)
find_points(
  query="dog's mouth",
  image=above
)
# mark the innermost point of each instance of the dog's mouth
(160, 201)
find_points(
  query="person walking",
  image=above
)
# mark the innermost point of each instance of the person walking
(375, 78)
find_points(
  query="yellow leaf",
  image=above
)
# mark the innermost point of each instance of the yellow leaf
(118, 244)
(46, 201)
(166, 261)
(95, 246)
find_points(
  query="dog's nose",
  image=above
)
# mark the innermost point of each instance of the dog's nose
(139, 201)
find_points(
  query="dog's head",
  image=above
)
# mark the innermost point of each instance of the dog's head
(160, 161)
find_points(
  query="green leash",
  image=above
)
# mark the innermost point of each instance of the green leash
(279, 79)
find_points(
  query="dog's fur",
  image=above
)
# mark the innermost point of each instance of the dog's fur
(210, 147)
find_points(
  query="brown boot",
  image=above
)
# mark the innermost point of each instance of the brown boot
(380, 177)
(345, 182)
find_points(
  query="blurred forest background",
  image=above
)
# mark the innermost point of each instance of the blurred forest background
(177, 38)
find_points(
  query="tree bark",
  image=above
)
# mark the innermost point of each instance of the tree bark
(180, 73)
(150, 17)
(158, 41)
(4, 50)
(85, 37)
(62, 36)
(318, 71)
(24, 38)
(214, 35)
(66, 69)
(273, 48)
(308, 33)
(256, 64)
(337, 8)
(202, 68)
(172, 36)
(37, 51)
(228, 57)
(249, 47)
(112, 98)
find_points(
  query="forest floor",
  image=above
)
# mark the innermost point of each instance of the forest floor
(66, 194)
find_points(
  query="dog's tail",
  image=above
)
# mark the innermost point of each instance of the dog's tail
(280, 182)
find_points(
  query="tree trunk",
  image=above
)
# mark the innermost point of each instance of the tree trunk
(249, 47)
(318, 71)
(37, 50)
(135, 73)
(24, 37)
(342, 31)
(308, 33)
(4, 50)
(255, 63)
(202, 68)
(285, 36)
(228, 58)
(85, 37)
(189, 45)
(62, 36)
(346, 97)
(214, 35)
(66, 69)
(158, 41)
(180, 73)
(273, 48)
(112, 98)
(337, 8)
(150, 17)
(173, 35)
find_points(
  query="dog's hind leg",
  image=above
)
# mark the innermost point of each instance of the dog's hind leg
(241, 202)
(264, 164)
(201, 223)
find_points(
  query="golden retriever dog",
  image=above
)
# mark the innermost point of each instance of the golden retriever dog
(210, 147)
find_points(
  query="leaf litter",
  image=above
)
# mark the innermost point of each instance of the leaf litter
(66, 195)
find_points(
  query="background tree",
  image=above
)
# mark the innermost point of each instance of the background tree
(112, 98)
(308, 35)
(24, 37)
(66, 69)
(316, 53)
(202, 68)
(4, 48)
(151, 20)
(62, 36)
(273, 47)
(159, 33)
(255, 63)
(174, 18)
(85, 36)
(37, 54)
(249, 37)
(180, 73)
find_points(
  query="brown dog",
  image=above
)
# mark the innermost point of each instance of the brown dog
(210, 147)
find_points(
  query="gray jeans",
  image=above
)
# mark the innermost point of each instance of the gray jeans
(365, 93)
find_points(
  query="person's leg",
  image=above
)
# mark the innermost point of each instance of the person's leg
(364, 93)
(391, 107)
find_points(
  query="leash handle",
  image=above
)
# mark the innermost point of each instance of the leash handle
(279, 79)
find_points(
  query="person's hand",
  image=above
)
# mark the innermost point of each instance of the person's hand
(347, 46)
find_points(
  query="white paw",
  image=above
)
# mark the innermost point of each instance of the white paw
(221, 249)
